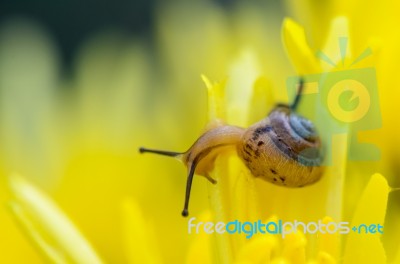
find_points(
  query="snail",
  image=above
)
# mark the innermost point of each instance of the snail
(284, 148)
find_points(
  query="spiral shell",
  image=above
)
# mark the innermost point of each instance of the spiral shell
(283, 148)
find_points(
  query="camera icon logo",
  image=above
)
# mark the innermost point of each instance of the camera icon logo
(341, 102)
(359, 92)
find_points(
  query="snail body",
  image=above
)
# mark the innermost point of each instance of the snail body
(283, 148)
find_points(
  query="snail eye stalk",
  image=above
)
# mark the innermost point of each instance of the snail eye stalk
(296, 100)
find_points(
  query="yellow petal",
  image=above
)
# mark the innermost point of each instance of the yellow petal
(262, 100)
(242, 191)
(338, 33)
(298, 49)
(371, 209)
(35, 211)
(280, 261)
(294, 246)
(328, 243)
(201, 247)
(220, 204)
(315, 16)
(325, 258)
(34, 235)
(216, 99)
(257, 250)
(397, 259)
(243, 72)
(139, 235)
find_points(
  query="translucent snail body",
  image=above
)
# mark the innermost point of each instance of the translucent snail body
(283, 148)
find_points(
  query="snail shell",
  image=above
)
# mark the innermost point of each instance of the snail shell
(283, 149)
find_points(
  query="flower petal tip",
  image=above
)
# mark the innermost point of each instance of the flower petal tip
(297, 48)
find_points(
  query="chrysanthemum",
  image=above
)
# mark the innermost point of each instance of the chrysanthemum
(128, 206)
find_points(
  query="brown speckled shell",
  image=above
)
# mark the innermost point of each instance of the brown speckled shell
(273, 151)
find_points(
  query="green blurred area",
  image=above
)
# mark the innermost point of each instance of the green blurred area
(70, 23)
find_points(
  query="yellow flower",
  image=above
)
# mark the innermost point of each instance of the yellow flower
(374, 32)
(47, 227)
(82, 147)
(236, 197)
